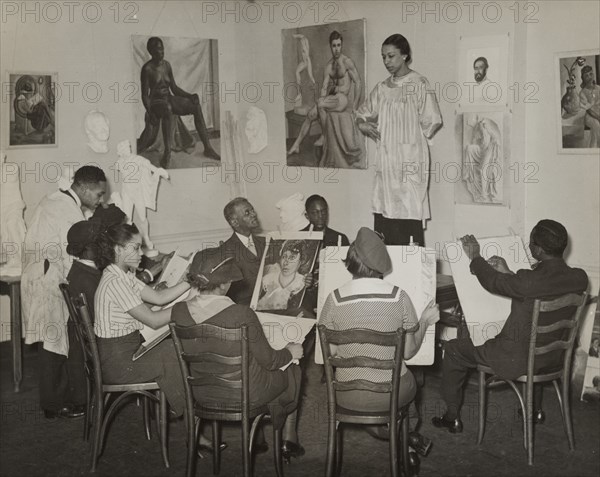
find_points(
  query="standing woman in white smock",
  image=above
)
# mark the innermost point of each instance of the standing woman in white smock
(401, 115)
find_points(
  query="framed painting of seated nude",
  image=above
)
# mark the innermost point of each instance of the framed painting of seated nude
(324, 84)
(577, 102)
(31, 120)
(285, 272)
(177, 113)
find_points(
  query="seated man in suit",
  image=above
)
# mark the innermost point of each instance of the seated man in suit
(507, 353)
(246, 247)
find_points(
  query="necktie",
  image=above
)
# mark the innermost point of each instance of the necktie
(251, 246)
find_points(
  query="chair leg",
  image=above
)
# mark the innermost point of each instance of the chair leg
(146, 412)
(216, 442)
(331, 445)
(88, 409)
(394, 448)
(98, 420)
(255, 423)
(163, 419)
(566, 405)
(482, 407)
(339, 450)
(277, 442)
(529, 407)
(405, 459)
(246, 462)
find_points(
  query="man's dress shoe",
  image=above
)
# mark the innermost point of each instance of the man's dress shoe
(453, 425)
(66, 412)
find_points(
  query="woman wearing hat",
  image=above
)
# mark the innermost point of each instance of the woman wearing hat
(368, 301)
(212, 274)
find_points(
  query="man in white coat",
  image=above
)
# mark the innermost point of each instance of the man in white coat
(45, 315)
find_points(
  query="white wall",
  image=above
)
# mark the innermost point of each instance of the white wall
(567, 187)
(189, 207)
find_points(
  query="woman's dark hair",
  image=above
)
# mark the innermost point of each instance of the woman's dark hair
(297, 247)
(356, 266)
(398, 41)
(118, 234)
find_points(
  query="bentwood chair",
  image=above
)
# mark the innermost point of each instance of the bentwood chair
(100, 407)
(393, 417)
(562, 340)
(235, 380)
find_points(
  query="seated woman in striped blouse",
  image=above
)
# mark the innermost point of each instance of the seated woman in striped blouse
(368, 301)
(121, 310)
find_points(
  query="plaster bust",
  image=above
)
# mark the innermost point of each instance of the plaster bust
(291, 213)
(256, 130)
(97, 128)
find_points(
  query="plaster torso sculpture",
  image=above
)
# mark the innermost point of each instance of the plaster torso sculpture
(139, 187)
(291, 213)
(482, 168)
(97, 128)
(12, 225)
(256, 130)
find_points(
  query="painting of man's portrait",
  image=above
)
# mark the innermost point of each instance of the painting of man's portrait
(177, 117)
(285, 265)
(32, 111)
(324, 83)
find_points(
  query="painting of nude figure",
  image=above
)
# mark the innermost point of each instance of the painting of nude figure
(177, 113)
(324, 83)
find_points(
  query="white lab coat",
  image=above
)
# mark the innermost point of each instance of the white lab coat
(45, 313)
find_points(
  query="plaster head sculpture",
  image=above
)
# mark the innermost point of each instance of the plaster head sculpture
(97, 128)
(124, 148)
(12, 225)
(291, 213)
(256, 130)
(66, 178)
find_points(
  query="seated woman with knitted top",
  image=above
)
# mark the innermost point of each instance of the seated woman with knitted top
(368, 301)
(212, 274)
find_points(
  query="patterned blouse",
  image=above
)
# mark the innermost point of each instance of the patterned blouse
(373, 304)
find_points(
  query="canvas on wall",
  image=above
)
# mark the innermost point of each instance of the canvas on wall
(177, 116)
(483, 70)
(287, 260)
(32, 111)
(413, 271)
(483, 165)
(324, 83)
(591, 379)
(578, 102)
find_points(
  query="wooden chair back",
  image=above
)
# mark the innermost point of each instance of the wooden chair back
(363, 336)
(569, 326)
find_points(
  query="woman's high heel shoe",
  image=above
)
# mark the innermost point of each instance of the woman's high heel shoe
(291, 449)
(209, 449)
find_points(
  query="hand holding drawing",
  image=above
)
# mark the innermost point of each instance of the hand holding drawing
(499, 264)
(470, 246)
(295, 350)
(430, 315)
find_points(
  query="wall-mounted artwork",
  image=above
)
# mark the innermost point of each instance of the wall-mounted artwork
(287, 259)
(483, 166)
(591, 379)
(483, 70)
(177, 120)
(578, 102)
(324, 83)
(32, 111)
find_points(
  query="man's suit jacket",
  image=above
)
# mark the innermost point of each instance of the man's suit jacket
(507, 352)
(241, 291)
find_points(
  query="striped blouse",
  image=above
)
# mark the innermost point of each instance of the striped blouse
(373, 304)
(117, 293)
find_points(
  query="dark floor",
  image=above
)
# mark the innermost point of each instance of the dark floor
(32, 446)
